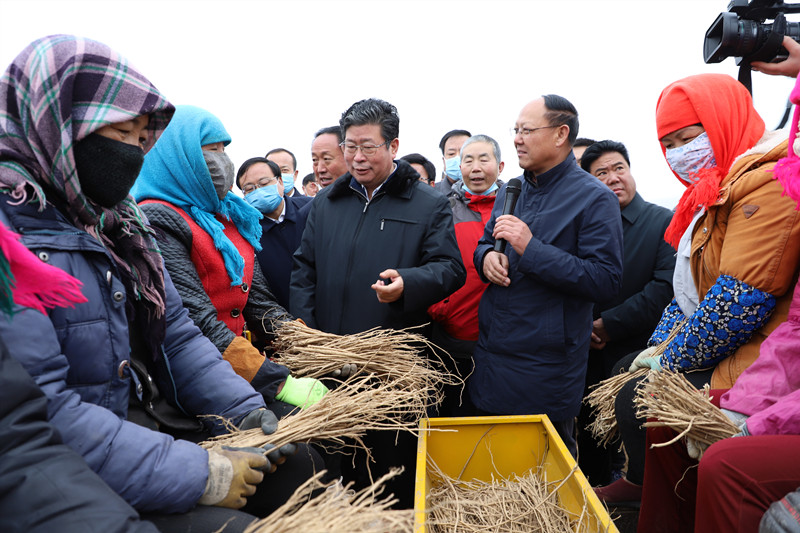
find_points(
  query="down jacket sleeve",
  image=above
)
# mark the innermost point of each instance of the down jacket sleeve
(175, 242)
(150, 470)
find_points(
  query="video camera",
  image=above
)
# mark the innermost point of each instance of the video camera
(743, 32)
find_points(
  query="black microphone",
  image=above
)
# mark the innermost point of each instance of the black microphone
(513, 188)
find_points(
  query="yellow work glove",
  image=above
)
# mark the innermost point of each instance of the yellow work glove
(233, 474)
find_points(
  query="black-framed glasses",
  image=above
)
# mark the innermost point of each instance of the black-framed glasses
(366, 149)
(527, 131)
(263, 182)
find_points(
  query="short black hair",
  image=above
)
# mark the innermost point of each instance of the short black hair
(278, 150)
(372, 111)
(308, 178)
(594, 151)
(560, 111)
(583, 141)
(331, 130)
(452, 133)
(419, 159)
(252, 161)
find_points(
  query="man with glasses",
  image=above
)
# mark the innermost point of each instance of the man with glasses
(378, 249)
(563, 253)
(283, 223)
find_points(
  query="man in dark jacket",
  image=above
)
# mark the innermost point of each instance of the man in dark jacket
(564, 253)
(378, 249)
(623, 325)
(281, 227)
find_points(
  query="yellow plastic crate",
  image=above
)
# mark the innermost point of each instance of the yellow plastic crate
(517, 444)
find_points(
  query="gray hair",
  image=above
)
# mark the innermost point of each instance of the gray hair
(483, 139)
(372, 111)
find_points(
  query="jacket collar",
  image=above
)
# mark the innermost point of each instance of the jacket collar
(400, 183)
(635, 208)
(545, 178)
(459, 192)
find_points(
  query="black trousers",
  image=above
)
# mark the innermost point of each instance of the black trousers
(630, 427)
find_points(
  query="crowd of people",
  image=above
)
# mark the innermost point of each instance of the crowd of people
(143, 277)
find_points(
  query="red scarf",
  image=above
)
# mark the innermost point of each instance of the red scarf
(27, 281)
(725, 109)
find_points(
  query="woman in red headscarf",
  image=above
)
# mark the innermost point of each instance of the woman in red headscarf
(738, 242)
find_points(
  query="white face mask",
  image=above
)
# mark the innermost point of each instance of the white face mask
(687, 160)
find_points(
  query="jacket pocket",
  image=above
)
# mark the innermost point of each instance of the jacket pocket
(392, 222)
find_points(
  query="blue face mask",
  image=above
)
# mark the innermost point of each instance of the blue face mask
(265, 199)
(452, 167)
(488, 191)
(288, 183)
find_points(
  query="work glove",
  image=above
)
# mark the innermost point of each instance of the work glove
(263, 418)
(277, 456)
(646, 359)
(782, 516)
(697, 449)
(302, 392)
(233, 474)
(345, 372)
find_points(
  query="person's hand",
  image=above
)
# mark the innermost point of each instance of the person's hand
(260, 418)
(599, 335)
(495, 268)
(788, 67)
(694, 448)
(302, 392)
(233, 474)
(346, 371)
(514, 231)
(646, 359)
(277, 456)
(388, 293)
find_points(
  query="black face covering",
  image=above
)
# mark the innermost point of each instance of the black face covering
(107, 168)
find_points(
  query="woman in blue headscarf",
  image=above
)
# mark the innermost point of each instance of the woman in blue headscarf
(208, 237)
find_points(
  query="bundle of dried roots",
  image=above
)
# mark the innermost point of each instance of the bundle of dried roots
(521, 504)
(342, 416)
(672, 401)
(400, 357)
(337, 508)
(601, 400)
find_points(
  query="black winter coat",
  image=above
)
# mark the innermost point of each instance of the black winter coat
(349, 241)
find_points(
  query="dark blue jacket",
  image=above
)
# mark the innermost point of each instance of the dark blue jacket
(44, 485)
(534, 334)
(279, 242)
(76, 356)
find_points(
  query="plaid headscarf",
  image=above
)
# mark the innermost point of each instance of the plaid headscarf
(57, 91)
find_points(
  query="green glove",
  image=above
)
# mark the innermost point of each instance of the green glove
(646, 359)
(302, 392)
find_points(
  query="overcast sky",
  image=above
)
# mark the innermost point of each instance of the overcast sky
(275, 71)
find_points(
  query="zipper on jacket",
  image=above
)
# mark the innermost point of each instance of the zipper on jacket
(382, 223)
(350, 256)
